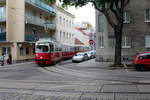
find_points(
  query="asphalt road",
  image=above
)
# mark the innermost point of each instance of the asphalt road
(68, 71)
(72, 81)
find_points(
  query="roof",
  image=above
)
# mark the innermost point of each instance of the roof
(81, 30)
(63, 10)
(77, 41)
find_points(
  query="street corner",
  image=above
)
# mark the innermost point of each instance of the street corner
(93, 63)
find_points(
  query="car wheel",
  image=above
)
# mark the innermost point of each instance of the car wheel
(41, 65)
(140, 67)
(83, 59)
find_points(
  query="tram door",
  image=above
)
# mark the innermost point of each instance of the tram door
(56, 53)
(52, 56)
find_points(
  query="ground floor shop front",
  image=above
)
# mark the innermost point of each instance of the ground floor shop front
(20, 51)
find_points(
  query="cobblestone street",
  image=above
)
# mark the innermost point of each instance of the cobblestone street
(83, 96)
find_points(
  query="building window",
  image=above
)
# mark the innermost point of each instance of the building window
(101, 41)
(100, 23)
(64, 35)
(126, 17)
(147, 15)
(70, 23)
(64, 21)
(112, 43)
(67, 35)
(147, 41)
(60, 20)
(1, 30)
(2, 13)
(46, 19)
(40, 16)
(34, 13)
(70, 35)
(126, 42)
(60, 35)
(6, 50)
(34, 31)
(21, 51)
(27, 50)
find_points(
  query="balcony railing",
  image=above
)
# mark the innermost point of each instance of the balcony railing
(42, 23)
(50, 25)
(2, 36)
(35, 37)
(42, 5)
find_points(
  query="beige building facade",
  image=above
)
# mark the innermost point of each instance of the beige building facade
(65, 26)
(22, 22)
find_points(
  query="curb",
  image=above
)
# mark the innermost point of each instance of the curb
(15, 65)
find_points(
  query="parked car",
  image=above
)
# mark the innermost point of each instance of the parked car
(142, 61)
(93, 53)
(78, 57)
(89, 54)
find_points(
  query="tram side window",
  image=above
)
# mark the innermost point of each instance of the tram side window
(57, 49)
(51, 48)
(60, 49)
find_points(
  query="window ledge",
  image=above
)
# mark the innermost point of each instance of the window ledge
(147, 46)
(147, 21)
(126, 47)
(126, 22)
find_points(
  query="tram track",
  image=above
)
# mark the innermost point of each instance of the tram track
(60, 70)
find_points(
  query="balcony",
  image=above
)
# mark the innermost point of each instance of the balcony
(43, 6)
(50, 25)
(40, 22)
(3, 37)
(35, 37)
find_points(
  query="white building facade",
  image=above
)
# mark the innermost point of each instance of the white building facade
(65, 26)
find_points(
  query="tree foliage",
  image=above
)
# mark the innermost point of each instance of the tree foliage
(113, 11)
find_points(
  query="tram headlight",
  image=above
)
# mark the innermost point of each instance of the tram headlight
(41, 57)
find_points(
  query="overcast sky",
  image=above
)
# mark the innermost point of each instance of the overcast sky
(86, 13)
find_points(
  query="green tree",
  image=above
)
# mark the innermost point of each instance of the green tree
(113, 10)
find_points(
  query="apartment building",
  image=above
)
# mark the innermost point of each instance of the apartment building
(136, 32)
(65, 26)
(22, 22)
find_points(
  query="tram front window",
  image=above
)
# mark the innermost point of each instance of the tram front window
(41, 48)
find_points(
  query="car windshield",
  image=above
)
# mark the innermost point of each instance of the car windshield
(42, 49)
(79, 54)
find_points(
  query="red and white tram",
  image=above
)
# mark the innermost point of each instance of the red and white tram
(49, 52)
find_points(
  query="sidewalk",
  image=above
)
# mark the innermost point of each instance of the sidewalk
(26, 90)
(104, 65)
(16, 64)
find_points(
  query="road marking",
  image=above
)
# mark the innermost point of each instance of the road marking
(126, 69)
